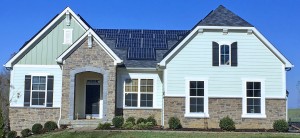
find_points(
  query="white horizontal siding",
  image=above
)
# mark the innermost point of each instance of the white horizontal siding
(254, 61)
(157, 95)
(18, 77)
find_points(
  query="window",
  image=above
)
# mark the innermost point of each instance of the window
(139, 92)
(254, 99)
(38, 90)
(68, 36)
(196, 98)
(225, 55)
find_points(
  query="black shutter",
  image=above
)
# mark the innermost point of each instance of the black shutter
(27, 87)
(50, 91)
(215, 54)
(234, 54)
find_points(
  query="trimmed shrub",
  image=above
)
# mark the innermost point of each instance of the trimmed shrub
(50, 126)
(227, 124)
(131, 119)
(12, 134)
(26, 132)
(174, 123)
(104, 126)
(281, 125)
(141, 120)
(128, 125)
(143, 125)
(37, 128)
(152, 120)
(118, 121)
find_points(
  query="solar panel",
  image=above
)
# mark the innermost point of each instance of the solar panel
(154, 31)
(141, 35)
(177, 32)
(167, 36)
(128, 42)
(156, 43)
(141, 53)
(116, 35)
(104, 31)
(128, 31)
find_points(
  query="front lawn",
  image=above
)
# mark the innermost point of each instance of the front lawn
(162, 134)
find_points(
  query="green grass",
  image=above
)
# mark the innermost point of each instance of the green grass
(133, 134)
(294, 115)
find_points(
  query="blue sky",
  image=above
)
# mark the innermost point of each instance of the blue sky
(277, 20)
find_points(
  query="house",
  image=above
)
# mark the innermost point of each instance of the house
(70, 72)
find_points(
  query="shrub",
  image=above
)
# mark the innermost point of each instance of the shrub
(141, 120)
(281, 125)
(37, 128)
(26, 132)
(152, 120)
(12, 134)
(118, 121)
(174, 123)
(104, 126)
(131, 119)
(50, 126)
(128, 125)
(143, 125)
(227, 124)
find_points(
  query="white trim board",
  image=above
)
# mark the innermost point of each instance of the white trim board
(97, 39)
(8, 64)
(271, 47)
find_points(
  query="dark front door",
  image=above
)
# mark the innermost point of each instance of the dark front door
(92, 99)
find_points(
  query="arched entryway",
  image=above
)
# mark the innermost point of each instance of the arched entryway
(88, 93)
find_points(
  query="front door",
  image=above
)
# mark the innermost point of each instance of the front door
(92, 98)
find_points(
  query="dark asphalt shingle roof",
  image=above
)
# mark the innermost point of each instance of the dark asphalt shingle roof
(223, 17)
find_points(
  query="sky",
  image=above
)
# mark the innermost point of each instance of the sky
(277, 20)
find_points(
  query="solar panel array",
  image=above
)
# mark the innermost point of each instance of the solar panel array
(141, 44)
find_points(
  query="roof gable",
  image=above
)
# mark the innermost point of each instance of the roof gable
(223, 17)
(40, 34)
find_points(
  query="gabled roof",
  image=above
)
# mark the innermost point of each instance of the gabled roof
(223, 17)
(44, 30)
(97, 39)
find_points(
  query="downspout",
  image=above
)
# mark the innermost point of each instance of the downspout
(286, 96)
(58, 122)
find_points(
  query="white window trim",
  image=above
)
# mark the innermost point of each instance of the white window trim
(65, 36)
(187, 99)
(262, 114)
(224, 43)
(139, 93)
(46, 83)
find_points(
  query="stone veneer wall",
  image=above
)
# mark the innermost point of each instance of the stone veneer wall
(219, 108)
(143, 113)
(94, 57)
(24, 117)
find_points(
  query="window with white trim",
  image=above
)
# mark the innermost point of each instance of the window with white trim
(68, 35)
(225, 54)
(253, 97)
(196, 98)
(138, 92)
(38, 90)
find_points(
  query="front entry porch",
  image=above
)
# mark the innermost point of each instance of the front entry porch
(88, 96)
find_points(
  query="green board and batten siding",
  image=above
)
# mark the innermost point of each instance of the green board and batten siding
(51, 45)
(255, 60)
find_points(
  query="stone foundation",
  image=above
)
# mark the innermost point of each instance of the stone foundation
(22, 117)
(219, 108)
(143, 113)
